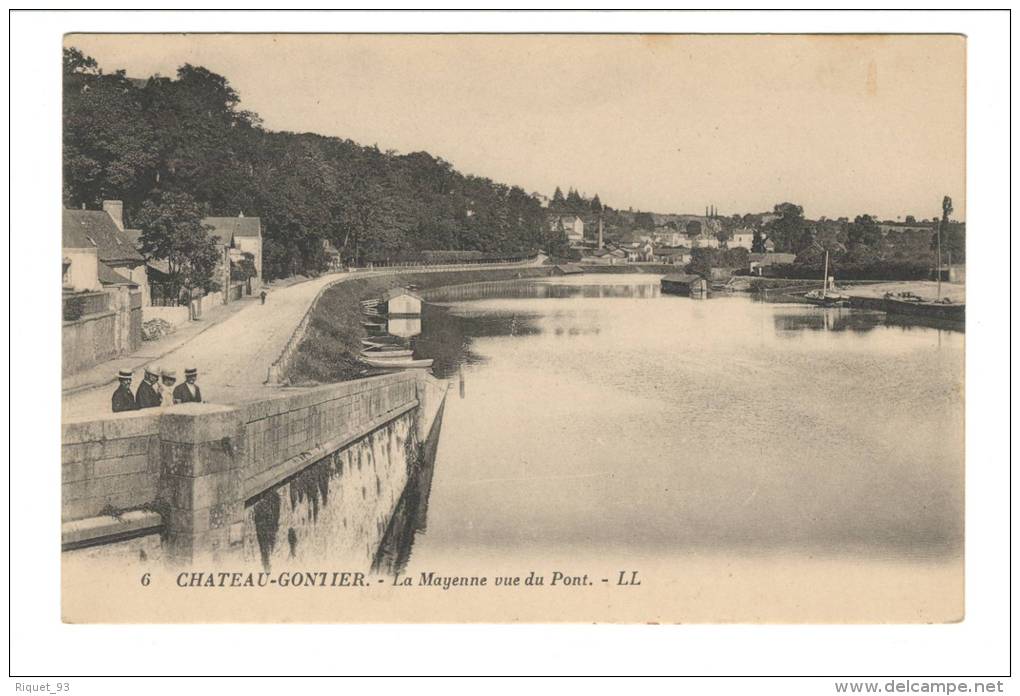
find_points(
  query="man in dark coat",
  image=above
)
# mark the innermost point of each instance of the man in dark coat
(147, 396)
(188, 392)
(123, 399)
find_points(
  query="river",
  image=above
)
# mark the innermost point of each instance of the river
(593, 420)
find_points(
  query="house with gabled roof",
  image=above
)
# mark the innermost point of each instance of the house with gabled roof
(238, 236)
(569, 223)
(679, 256)
(100, 233)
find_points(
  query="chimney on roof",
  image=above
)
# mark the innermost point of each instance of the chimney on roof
(115, 209)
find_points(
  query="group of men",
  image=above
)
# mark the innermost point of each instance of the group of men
(157, 389)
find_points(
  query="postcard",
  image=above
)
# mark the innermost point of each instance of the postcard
(597, 328)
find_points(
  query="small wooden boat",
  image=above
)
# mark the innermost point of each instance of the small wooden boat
(828, 296)
(383, 354)
(396, 364)
(381, 342)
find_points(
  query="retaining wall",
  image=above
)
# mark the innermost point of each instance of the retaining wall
(193, 475)
(101, 336)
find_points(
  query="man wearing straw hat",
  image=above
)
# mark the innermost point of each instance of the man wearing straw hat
(148, 395)
(123, 399)
(188, 392)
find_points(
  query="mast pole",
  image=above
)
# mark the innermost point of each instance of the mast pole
(825, 274)
(938, 273)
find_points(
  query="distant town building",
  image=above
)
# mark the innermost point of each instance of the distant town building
(608, 256)
(668, 237)
(703, 241)
(758, 262)
(571, 224)
(336, 261)
(903, 227)
(640, 252)
(742, 237)
(678, 256)
(239, 235)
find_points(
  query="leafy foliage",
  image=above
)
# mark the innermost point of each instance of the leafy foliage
(172, 229)
(704, 259)
(188, 135)
(758, 242)
(788, 229)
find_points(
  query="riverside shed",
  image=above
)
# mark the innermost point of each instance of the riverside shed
(684, 284)
(402, 302)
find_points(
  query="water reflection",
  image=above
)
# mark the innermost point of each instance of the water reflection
(827, 319)
(619, 418)
(532, 289)
(410, 517)
(404, 327)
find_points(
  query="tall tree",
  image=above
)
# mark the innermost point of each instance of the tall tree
(953, 235)
(864, 238)
(109, 149)
(787, 229)
(172, 230)
(757, 242)
(644, 221)
(575, 203)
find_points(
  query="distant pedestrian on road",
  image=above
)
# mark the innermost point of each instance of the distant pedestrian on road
(263, 296)
(148, 395)
(189, 391)
(166, 388)
(123, 399)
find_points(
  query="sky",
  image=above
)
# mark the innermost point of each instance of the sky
(842, 125)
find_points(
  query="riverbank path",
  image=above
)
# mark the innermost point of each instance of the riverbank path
(233, 356)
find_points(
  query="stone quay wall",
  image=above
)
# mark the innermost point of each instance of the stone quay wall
(192, 475)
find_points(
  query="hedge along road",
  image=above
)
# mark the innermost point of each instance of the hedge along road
(233, 357)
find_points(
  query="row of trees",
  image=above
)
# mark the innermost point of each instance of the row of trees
(574, 202)
(171, 146)
(862, 240)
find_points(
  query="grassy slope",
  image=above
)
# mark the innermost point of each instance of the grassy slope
(329, 350)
